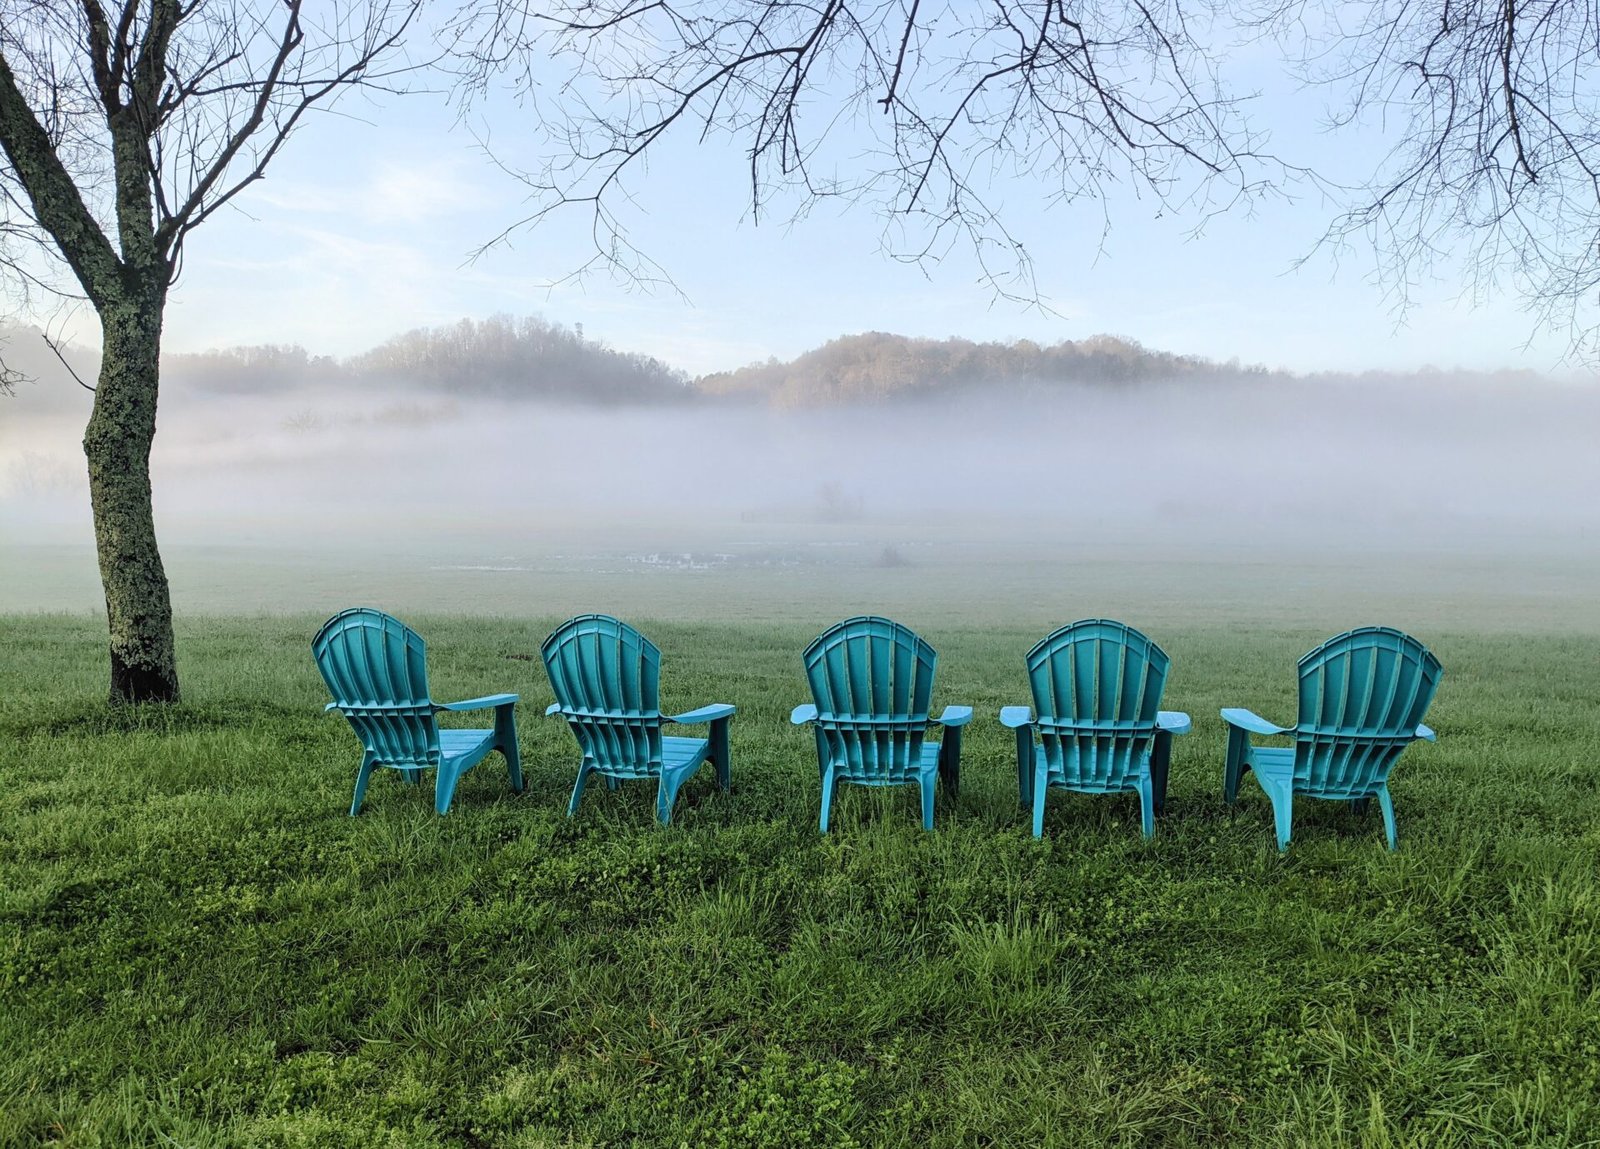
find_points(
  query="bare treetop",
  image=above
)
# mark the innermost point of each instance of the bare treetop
(204, 93)
(918, 109)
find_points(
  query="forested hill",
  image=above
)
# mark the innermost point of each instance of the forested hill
(533, 359)
(499, 357)
(878, 367)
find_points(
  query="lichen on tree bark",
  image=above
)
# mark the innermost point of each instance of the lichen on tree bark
(117, 446)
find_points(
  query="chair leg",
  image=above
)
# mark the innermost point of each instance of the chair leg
(827, 797)
(444, 787)
(950, 761)
(367, 763)
(612, 783)
(1025, 753)
(1147, 807)
(719, 753)
(1283, 816)
(1387, 805)
(1160, 763)
(667, 794)
(927, 783)
(1237, 763)
(505, 737)
(1041, 787)
(1358, 806)
(577, 789)
(412, 776)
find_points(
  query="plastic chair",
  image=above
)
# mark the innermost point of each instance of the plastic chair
(1097, 688)
(872, 679)
(606, 677)
(1362, 698)
(376, 669)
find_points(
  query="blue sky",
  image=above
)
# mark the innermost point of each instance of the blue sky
(363, 228)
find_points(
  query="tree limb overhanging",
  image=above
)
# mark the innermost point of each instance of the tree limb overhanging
(1077, 96)
(1492, 113)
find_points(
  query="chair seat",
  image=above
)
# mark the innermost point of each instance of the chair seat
(1273, 767)
(1273, 762)
(455, 744)
(680, 753)
(677, 754)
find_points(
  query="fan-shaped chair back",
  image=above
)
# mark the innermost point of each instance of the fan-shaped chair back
(872, 680)
(376, 669)
(1362, 695)
(607, 681)
(1097, 686)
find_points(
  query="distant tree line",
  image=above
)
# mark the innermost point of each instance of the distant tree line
(535, 359)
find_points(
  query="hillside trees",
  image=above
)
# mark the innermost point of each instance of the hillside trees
(520, 358)
(124, 127)
(502, 357)
(878, 367)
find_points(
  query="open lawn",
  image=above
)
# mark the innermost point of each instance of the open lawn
(198, 947)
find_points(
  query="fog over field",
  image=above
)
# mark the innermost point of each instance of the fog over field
(1459, 477)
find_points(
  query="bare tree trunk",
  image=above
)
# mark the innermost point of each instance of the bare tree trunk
(117, 444)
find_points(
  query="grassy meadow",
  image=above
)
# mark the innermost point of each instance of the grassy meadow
(199, 948)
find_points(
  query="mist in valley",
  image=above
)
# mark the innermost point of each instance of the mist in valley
(1174, 496)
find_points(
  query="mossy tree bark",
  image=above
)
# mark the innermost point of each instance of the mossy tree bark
(117, 445)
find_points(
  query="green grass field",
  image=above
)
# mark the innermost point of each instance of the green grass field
(198, 947)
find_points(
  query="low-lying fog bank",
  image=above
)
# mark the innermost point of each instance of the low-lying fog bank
(1430, 466)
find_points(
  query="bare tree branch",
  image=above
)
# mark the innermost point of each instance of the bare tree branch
(1494, 172)
(1074, 96)
(55, 350)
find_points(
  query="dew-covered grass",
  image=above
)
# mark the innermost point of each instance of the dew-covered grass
(199, 947)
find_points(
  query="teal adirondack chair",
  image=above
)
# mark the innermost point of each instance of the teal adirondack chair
(1362, 698)
(872, 680)
(1097, 688)
(607, 677)
(376, 669)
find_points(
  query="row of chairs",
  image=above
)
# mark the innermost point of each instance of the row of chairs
(1095, 725)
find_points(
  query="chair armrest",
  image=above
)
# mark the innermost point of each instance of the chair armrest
(955, 716)
(707, 713)
(1016, 717)
(553, 708)
(1249, 720)
(1173, 721)
(1426, 732)
(800, 715)
(483, 703)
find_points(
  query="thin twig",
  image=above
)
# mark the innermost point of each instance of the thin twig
(51, 343)
(900, 60)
